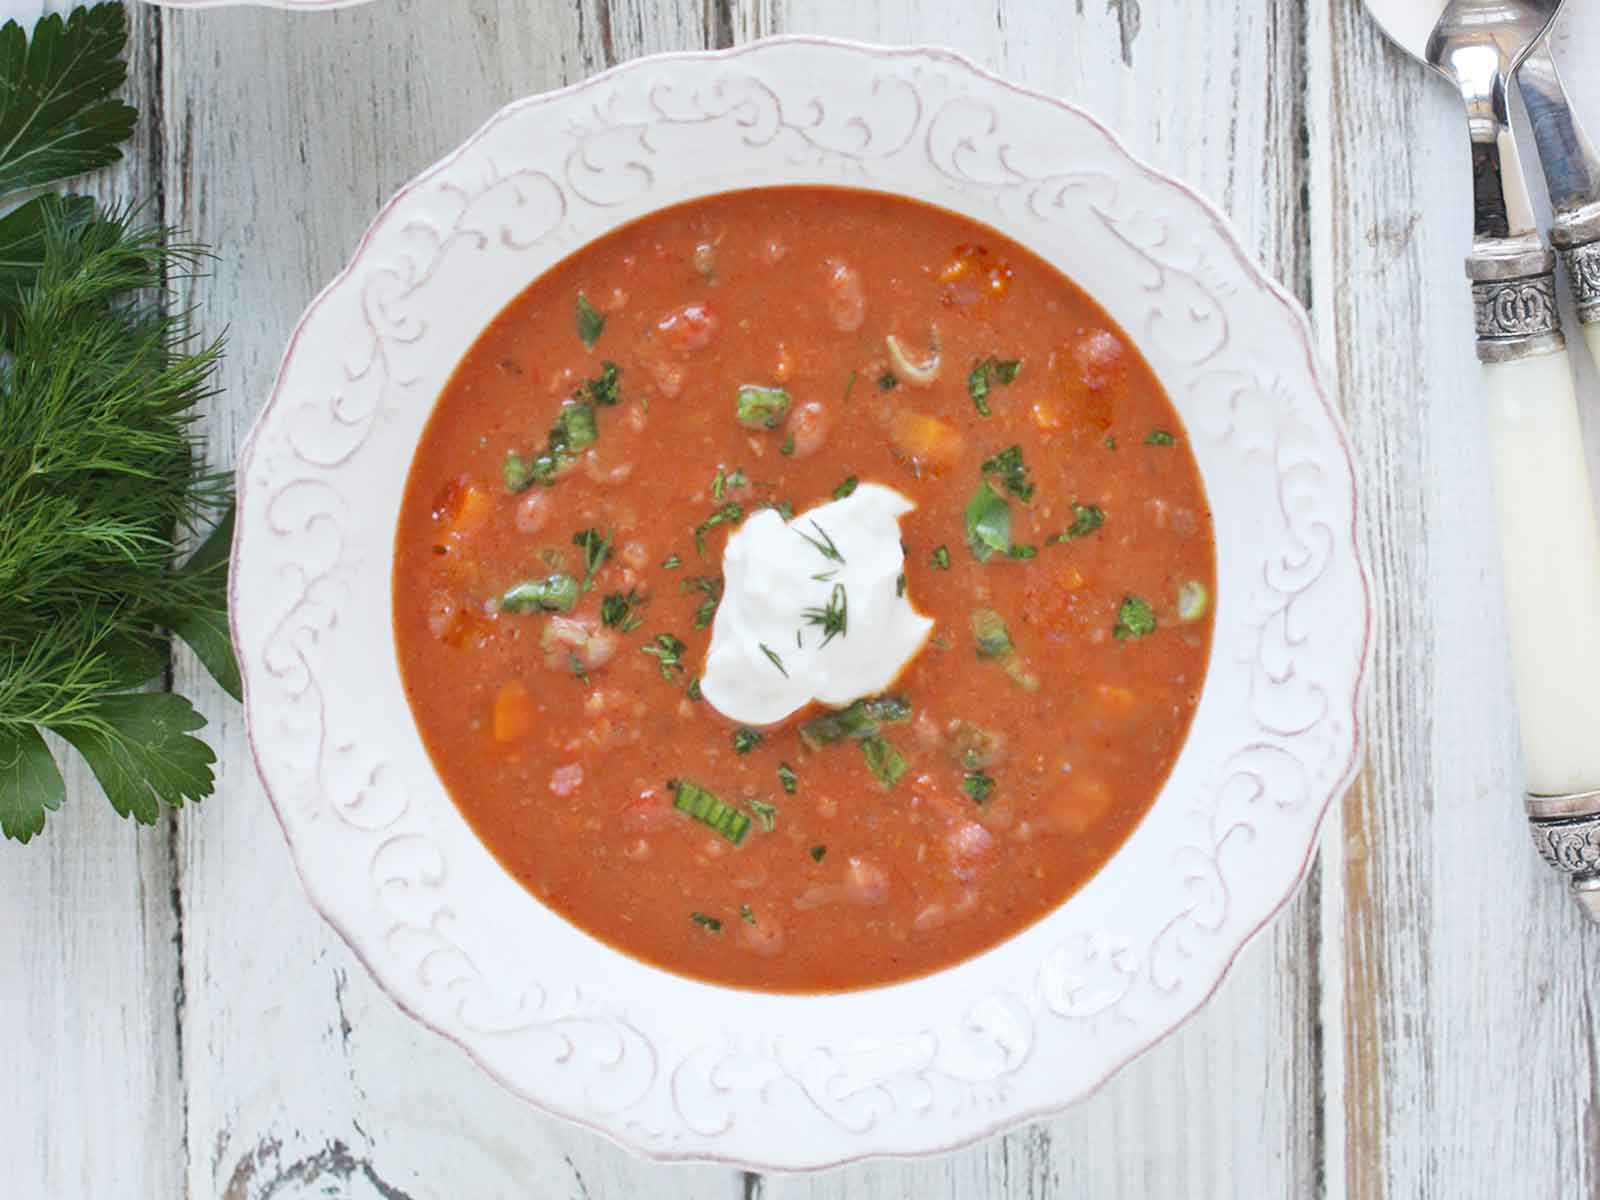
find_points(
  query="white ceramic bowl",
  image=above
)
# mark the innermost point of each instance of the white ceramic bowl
(678, 1069)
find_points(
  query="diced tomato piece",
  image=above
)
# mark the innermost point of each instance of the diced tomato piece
(515, 715)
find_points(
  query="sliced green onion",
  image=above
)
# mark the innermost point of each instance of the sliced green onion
(941, 558)
(978, 786)
(746, 739)
(554, 593)
(704, 807)
(705, 922)
(766, 813)
(1193, 600)
(762, 407)
(863, 719)
(990, 632)
(846, 488)
(1160, 437)
(788, 778)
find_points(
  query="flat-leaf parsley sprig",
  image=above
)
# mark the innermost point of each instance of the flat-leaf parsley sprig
(101, 475)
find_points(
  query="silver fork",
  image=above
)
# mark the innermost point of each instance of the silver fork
(1549, 535)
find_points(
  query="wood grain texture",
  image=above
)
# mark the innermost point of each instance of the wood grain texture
(1420, 1023)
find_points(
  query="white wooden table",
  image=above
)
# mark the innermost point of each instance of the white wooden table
(175, 1020)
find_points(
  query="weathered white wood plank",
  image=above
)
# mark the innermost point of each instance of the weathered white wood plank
(89, 986)
(1459, 975)
(284, 134)
(1212, 92)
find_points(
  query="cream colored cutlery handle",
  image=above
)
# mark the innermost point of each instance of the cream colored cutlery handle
(1550, 542)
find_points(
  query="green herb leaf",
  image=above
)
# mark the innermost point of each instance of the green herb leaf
(591, 323)
(709, 586)
(887, 382)
(978, 786)
(787, 449)
(604, 389)
(978, 388)
(711, 924)
(30, 782)
(58, 114)
(617, 608)
(693, 690)
(202, 619)
(668, 651)
(787, 777)
(772, 657)
(846, 488)
(988, 520)
(885, 761)
(554, 593)
(1160, 437)
(818, 853)
(705, 807)
(23, 233)
(941, 558)
(1135, 619)
(1086, 518)
(746, 739)
(849, 385)
(1008, 465)
(747, 914)
(834, 619)
(761, 407)
(822, 543)
(671, 562)
(139, 748)
(730, 513)
(863, 719)
(1007, 370)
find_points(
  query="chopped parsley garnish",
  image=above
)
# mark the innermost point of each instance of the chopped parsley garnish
(1160, 437)
(824, 546)
(709, 586)
(885, 761)
(766, 813)
(887, 382)
(772, 657)
(668, 650)
(988, 520)
(591, 323)
(729, 513)
(762, 407)
(1135, 619)
(574, 430)
(788, 778)
(941, 558)
(978, 785)
(1008, 465)
(1111, 442)
(1086, 518)
(596, 549)
(746, 739)
(787, 448)
(602, 389)
(748, 914)
(693, 690)
(616, 610)
(846, 488)
(554, 593)
(703, 806)
(900, 585)
(671, 562)
(818, 853)
(834, 619)
(850, 384)
(710, 924)
(985, 374)
(863, 719)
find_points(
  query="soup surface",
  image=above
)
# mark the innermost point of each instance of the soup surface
(559, 566)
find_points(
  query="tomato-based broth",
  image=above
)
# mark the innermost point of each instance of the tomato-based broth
(560, 567)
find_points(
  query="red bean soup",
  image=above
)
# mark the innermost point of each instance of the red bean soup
(559, 567)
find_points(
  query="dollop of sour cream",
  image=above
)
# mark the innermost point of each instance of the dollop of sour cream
(782, 579)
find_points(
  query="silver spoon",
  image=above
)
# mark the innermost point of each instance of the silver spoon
(1549, 536)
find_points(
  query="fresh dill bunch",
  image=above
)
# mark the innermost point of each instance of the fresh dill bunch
(100, 474)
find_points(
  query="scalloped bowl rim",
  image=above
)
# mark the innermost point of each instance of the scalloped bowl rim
(1341, 779)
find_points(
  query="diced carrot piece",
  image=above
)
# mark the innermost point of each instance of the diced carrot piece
(1081, 804)
(1114, 699)
(515, 716)
(932, 445)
